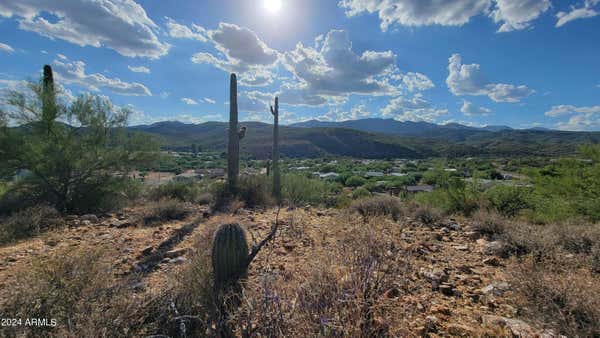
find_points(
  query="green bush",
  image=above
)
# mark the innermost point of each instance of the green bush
(255, 191)
(183, 191)
(508, 200)
(27, 223)
(298, 189)
(360, 193)
(355, 181)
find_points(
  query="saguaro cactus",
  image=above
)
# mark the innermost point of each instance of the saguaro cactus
(49, 110)
(235, 135)
(276, 173)
(229, 256)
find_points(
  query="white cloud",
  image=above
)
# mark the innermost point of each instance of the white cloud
(569, 109)
(189, 101)
(415, 81)
(513, 14)
(470, 109)
(336, 114)
(163, 95)
(470, 80)
(418, 12)
(586, 11)
(180, 31)
(140, 69)
(74, 72)
(245, 54)
(6, 48)
(582, 118)
(517, 14)
(413, 109)
(121, 25)
(335, 71)
(209, 100)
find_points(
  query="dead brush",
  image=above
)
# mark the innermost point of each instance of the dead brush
(378, 206)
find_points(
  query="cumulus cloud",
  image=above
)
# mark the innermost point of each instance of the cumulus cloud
(74, 72)
(412, 109)
(209, 100)
(121, 25)
(189, 101)
(6, 48)
(179, 31)
(569, 109)
(585, 11)
(417, 12)
(470, 109)
(334, 71)
(517, 14)
(469, 80)
(244, 54)
(415, 81)
(581, 118)
(140, 69)
(513, 14)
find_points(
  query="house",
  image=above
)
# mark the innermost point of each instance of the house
(373, 174)
(188, 176)
(419, 188)
(398, 174)
(326, 176)
(451, 170)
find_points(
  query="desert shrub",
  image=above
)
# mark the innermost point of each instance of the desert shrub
(165, 210)
(564, 294)
(27, 223)
(255, 191)
(360, 193)
(378, 206)
(298, 189)
(355, 181)
(488, 223)
(425, 213)
(220, 194)
(77, 288)
(455, 196)
(508, 200)
(183, 191)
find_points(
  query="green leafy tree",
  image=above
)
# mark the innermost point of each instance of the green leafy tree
(78, 156)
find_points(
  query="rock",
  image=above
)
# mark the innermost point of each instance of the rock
(147, 251)
(435, 275)
(91, 218)
(496, 288)
(392, 293)
(124, 224)
(462, 247)
(320, 213)
(177, 260)
(517, 327)
(447, 289)
(445, 230)
(453, 226)
(472, 235)
(494, 248)
(460, 330)
(492, 261)
(431, 325)
(176, 253)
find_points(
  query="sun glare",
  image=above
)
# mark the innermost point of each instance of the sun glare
(272, 6)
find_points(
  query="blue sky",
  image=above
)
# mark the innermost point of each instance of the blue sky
(522, 63)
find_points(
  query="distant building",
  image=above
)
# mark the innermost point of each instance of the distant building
(398, 174)
(373, 174)
(326, 176)
(419, 188)
(452, 170)
(187, 177)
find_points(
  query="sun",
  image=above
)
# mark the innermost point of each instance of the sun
(272, 6)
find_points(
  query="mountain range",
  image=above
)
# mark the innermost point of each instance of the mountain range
(374, 138)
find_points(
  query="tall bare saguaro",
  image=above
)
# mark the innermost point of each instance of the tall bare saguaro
(235, 135)
(276, 172)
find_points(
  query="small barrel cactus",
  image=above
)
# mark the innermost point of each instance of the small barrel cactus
(229, 256)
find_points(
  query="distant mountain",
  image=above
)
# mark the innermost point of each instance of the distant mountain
(399, 140)
(496, 128)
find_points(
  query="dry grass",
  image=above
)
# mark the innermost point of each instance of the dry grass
(424, 213)
(27, 223)
(489, 224)
(165, 210)
(78, 289)
(378, 206)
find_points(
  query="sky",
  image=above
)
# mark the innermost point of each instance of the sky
(520, 63)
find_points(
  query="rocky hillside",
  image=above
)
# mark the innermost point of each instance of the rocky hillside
(412, 279)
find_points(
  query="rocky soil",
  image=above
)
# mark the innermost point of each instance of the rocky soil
(457, 286)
